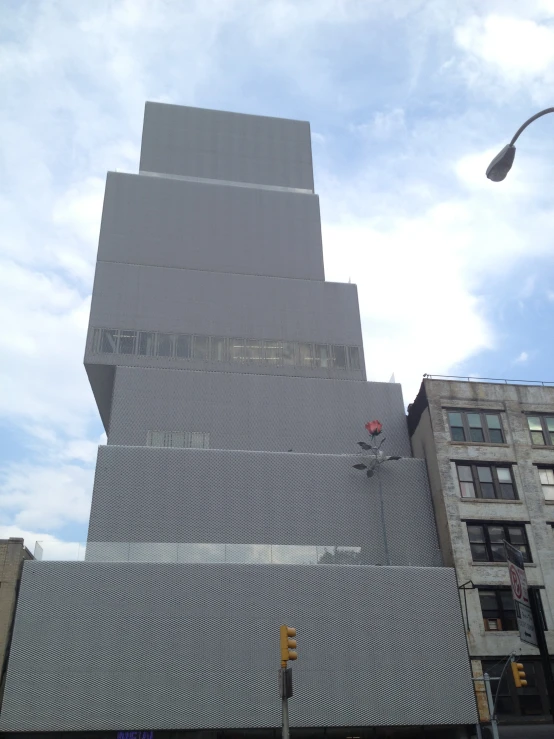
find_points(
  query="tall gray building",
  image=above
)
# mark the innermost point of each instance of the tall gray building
(230, 379)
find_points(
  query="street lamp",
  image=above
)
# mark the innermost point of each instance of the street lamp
(502, 162)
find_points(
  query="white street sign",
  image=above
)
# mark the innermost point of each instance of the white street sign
(520, 594)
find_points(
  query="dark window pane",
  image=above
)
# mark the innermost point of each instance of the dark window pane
(354, 358)
(484, 474)
(200, 347)
(549, 424)
(458, 433)
(474, 420)
(505, 705)
(496, 533)
(476, 434)
(476, 534)
(479, 553)
(109, 341)
(507, 491)
(496, 437)
(127, 342)
(455, 419)
(182, 346)
(530, 705)
(339, 355)
(488, 603)
(506, 600)
(146, 343)
(498, 553)
(516, 535)
(487, 490)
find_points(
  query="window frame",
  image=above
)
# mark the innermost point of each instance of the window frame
(484, 425)
(548, 468)
(502, 612)
(477, 482)
(527, 557)
(548, 435)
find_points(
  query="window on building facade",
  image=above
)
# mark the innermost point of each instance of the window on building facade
(541, 429)
(498, 610)
(222, 349)
(476, 426)
(531, 700)
(487, 541)
(486, 481)
(546, 475)
(178, 439)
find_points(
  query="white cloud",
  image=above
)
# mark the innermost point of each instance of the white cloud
(521, 358)
(45, 497)
(52, 547)
(383, 124)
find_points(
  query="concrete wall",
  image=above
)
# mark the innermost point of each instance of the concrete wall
(214, 144)
(256, 412)
(145, 494)
(171, 223)
(512, 402)
(115, 646)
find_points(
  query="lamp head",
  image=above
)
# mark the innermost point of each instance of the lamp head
(501, 164)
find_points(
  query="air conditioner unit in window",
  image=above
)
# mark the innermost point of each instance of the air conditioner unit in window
(492, 624)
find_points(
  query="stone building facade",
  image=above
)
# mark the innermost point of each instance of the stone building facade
(489, 449)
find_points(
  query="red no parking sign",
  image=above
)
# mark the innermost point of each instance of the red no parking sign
(520, 594)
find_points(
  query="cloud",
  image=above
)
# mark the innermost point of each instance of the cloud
(522, 358)
(383, 125)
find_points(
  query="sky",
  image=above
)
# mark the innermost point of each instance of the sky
(408, 102)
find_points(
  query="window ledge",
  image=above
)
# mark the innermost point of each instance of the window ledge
(548, 502)
(549, 447)
(493, 500)
(499, 564)
(483, 443)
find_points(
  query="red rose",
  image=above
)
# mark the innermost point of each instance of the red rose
(374, 428)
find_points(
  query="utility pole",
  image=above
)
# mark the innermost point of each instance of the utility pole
(536, 610)
(288, 652)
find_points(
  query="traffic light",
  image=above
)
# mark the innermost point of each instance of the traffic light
(519, 675)
(288, 644)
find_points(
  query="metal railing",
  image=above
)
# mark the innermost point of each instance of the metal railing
(502, 380)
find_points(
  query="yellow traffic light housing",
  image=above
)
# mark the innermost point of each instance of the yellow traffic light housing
(288, 644)
(519, 675)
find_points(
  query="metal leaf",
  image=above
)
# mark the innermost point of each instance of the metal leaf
(364, 445)
(359, 466)
(394, 458)
(369, 473)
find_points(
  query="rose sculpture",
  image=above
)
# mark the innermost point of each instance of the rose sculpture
(374, 456)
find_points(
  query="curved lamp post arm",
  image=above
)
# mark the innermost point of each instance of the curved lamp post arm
(527, 122)
(502, 163)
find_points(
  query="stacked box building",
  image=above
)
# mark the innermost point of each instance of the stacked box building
(230, 378)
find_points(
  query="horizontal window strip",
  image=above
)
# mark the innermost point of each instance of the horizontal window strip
(268, 352)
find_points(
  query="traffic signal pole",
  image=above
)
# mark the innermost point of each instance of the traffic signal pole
(288, 652)
(534, 597)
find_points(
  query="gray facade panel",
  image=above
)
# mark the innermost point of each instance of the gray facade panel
(256, 412)
(147, 494)
(218, 145)
(217, 304)
(121, 646)
(171, 223)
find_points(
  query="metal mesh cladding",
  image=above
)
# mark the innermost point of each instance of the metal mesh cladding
(115, 646)
(146, 494)
(255, 411)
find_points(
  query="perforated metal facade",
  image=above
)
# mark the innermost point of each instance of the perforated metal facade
(230, 407)
(146, 632)
(111, 646)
